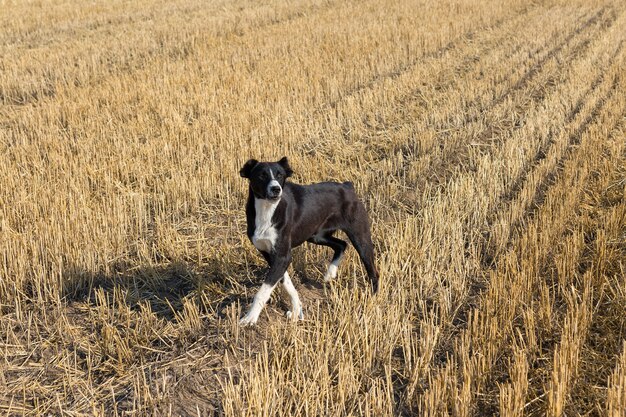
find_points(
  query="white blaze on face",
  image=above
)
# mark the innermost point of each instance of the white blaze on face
(273, 183)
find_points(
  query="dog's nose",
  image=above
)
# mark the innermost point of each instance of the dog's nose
(275, 189)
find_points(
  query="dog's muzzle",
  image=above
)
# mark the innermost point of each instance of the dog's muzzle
(274, 190)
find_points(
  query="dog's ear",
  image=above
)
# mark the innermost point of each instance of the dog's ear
(284, 162)
(248, 167)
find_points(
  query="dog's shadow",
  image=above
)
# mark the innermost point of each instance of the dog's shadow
(165, 287)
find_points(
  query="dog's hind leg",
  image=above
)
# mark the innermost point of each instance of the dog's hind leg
(296, 306)
(361, 238)
(338, 245)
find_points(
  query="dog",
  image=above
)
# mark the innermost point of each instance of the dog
(282, 215)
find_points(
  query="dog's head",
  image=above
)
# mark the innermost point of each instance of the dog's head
(267, 179)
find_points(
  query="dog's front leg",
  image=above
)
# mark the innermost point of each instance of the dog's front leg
(296, 306)
(278, 267)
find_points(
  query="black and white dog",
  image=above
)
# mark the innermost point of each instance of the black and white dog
(282, 215)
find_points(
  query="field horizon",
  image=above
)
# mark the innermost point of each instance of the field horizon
(487, 141)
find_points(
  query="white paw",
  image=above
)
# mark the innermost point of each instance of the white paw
(294, 317)
(249, 319)
(331, 273)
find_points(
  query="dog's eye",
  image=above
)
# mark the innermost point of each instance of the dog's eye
(279, 176)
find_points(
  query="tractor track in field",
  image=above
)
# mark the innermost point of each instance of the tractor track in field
(573, 139)
(489, 259)
(539, 360)
(503, 205)
(544, 55)
(548, 86)
(517, 93)
(545, 184)
(593, 20)
(409, 66)
(472, 109)
(599, 343)
(564, 234)
(488, 384)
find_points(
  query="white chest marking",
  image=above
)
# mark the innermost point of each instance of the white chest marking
(265, 233)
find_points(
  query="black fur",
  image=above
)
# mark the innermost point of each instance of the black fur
(308, 213)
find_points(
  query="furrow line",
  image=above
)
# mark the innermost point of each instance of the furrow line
(595, 19)
(475, 293)
(515, 98)
(457, 150)
(513, 59)
(409, 66)
(563, 241)
(542, 59)
(514, 283)
(599, 268)
(498, 211)
(540, 369)
(549, 86)
(501, 210)
(572, 284)
(439, 90)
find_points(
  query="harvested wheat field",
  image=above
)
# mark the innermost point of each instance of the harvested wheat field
(487, 140)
